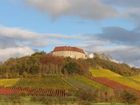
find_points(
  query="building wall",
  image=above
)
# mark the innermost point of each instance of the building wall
(72, 54)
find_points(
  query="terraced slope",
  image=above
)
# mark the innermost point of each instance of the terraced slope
(49, 85)
(83, 82)
(43, 82)
(103, 73)
(115, 85)
(70, 82)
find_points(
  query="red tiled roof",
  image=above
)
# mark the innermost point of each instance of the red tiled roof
(68, 48)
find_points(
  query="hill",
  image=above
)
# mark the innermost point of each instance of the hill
(45, 75)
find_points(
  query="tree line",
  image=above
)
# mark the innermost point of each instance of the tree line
(41, 64)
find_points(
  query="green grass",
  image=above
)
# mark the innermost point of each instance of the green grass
(43, 82)
(8, 82)
(115, 77)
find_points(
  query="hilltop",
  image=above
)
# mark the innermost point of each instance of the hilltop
(42, 63)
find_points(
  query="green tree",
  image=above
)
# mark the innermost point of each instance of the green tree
(71, 67)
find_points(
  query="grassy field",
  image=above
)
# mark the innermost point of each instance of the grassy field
(115, 77)
(8, 82)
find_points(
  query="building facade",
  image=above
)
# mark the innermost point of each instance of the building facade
(67, 51)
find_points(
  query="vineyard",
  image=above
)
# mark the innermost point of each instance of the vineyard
(104, 73)
(116, 78)
(31, 91)
(43, 82)
(105, 82)
(83, 82)
(49, 85)
(136, 78)
(8, 82)
(115, 85)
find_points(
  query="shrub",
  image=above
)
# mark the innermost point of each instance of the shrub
(128, 97)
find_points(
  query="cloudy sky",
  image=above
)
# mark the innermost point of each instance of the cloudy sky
(110, 26)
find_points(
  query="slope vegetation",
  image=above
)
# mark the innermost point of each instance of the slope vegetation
(85, 83)
(103, 73)
(8, 82)
(136, 78)
(43, 82)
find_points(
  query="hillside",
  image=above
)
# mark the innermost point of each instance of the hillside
(136, 78)
(85, 83)
(121, 68)
(45, 75)
(115, 77)
(71, 82)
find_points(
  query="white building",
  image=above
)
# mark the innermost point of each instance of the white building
(67, 51)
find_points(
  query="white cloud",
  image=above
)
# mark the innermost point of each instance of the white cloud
(88, 9)
(60, 36)
(14, 52)
(121, 52)
(123, 3)
(17, 33)
(14, 37)
(14, 40)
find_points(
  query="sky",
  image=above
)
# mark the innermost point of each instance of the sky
(106, 26)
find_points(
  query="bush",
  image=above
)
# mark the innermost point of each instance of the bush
(128, 98)
(71, 67)
(86, 95)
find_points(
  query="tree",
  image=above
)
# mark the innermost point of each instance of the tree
(71, 67)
